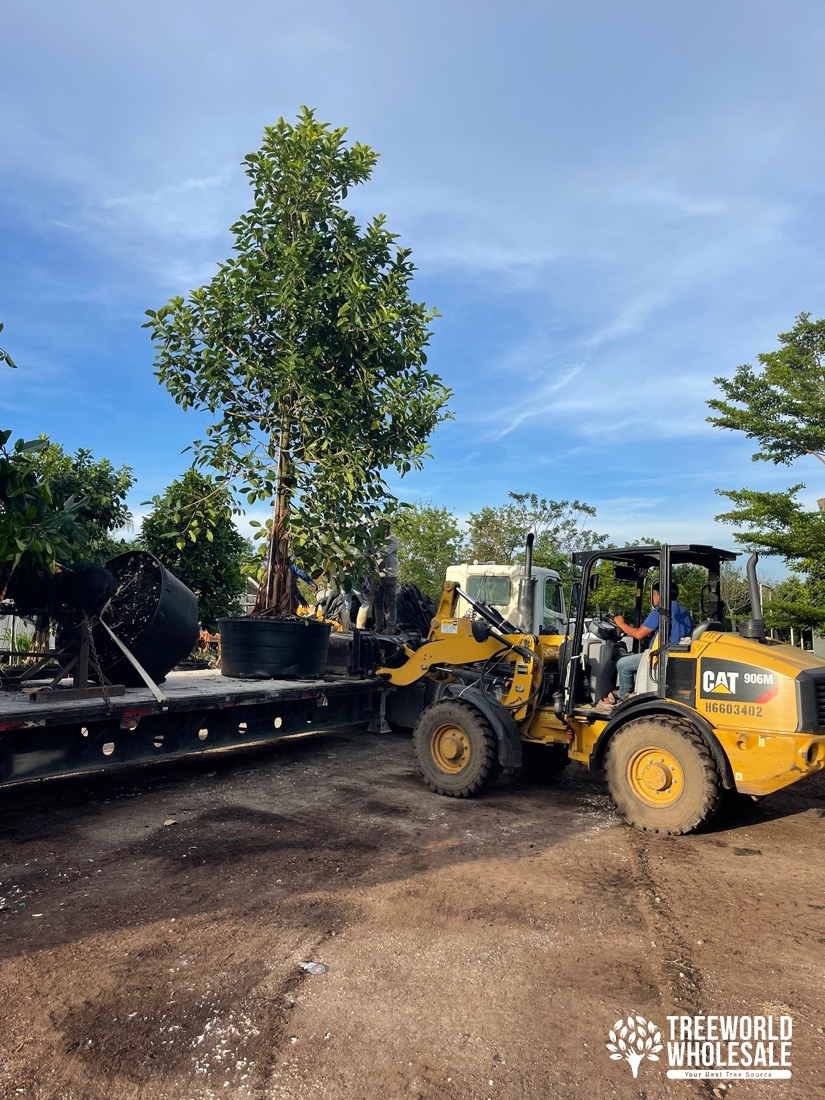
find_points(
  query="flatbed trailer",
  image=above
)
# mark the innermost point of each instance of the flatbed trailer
(199, 711)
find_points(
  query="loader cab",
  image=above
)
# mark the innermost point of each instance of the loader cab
(627, 575)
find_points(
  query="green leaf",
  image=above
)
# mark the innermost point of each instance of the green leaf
(33, 446)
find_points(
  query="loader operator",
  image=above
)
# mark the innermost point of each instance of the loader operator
(626, 667)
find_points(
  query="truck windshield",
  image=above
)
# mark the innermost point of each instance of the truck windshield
(493, 590)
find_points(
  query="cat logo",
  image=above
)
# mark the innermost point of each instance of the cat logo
(719, 683)
(736, 680)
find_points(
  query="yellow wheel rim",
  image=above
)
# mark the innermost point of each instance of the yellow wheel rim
(450, 747)
(655, 776)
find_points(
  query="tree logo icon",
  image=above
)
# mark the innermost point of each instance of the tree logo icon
(635, 1040)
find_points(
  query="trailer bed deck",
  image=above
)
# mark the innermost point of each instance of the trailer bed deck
(201, 710)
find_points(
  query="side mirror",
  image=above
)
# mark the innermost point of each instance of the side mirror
(593, 582)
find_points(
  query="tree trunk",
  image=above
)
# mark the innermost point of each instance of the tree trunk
(278, 592)
(634, 1060)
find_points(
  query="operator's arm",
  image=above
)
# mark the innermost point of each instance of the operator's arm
(637, 632)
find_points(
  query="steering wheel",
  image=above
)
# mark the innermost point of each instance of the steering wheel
(606, 620)
(605, 617)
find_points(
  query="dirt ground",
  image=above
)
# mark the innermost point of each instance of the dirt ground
(477, 949)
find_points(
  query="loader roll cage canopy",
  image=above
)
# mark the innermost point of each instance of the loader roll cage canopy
(648, 557)
(640, 559)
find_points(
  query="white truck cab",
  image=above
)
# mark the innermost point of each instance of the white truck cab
(498, 585)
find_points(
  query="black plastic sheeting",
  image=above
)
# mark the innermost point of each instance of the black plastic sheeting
(415, 609)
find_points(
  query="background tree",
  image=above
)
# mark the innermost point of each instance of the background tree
(778, 524)
(210, 556)
(733, 586)
(795, 606)
(309, 354)
(780, 405)
(100, 491)
(620, 596)
(499, 534)
(430, 540)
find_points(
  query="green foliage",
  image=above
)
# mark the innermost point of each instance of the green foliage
(796, 603)
(15, 641)
(619, 597)
(780, 405)
(499, 534)
(209, 557)
(307, 351)
(429, 540)
(100, 492)
(776, 523)
(733, 585)
(691, 580)
(35, 530)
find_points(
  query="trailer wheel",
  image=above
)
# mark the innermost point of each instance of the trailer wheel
(662, 776)
(456, 748)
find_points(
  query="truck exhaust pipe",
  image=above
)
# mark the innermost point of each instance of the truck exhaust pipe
(527, 589)
(754, 627)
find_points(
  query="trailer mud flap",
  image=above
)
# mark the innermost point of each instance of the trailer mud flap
(503, 723)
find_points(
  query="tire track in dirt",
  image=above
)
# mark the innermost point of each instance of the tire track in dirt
(681, 975)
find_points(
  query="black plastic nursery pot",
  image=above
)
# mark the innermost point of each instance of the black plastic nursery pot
(262, 649)
(153, 613)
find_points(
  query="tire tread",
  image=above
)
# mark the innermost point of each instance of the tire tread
(712, 786)
(489, 768)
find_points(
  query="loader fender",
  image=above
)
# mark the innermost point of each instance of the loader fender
(655, 706)
(503, 723)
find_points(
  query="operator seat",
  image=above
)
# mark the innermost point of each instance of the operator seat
(708, 624)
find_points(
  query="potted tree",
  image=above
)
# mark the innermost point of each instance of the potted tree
(308, 355)
(34, 530)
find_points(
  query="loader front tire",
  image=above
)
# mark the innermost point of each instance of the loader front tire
(456, 748)
(662, 776)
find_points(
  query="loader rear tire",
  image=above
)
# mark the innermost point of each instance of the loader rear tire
(662, 776)
(457, 749)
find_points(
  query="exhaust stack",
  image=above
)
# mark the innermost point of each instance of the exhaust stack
(527, 589)
(754, 627)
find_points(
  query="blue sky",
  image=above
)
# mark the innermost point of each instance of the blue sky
(609, 204)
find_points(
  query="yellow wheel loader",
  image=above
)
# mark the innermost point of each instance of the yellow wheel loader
(712, 713)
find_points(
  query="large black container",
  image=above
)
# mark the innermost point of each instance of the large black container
(153, 613)
(261, 649)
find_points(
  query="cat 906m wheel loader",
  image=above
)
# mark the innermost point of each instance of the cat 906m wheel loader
(713, 713)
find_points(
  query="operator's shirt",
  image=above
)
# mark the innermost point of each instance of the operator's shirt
(680, 623)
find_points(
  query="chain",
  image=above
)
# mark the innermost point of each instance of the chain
(107, 699)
